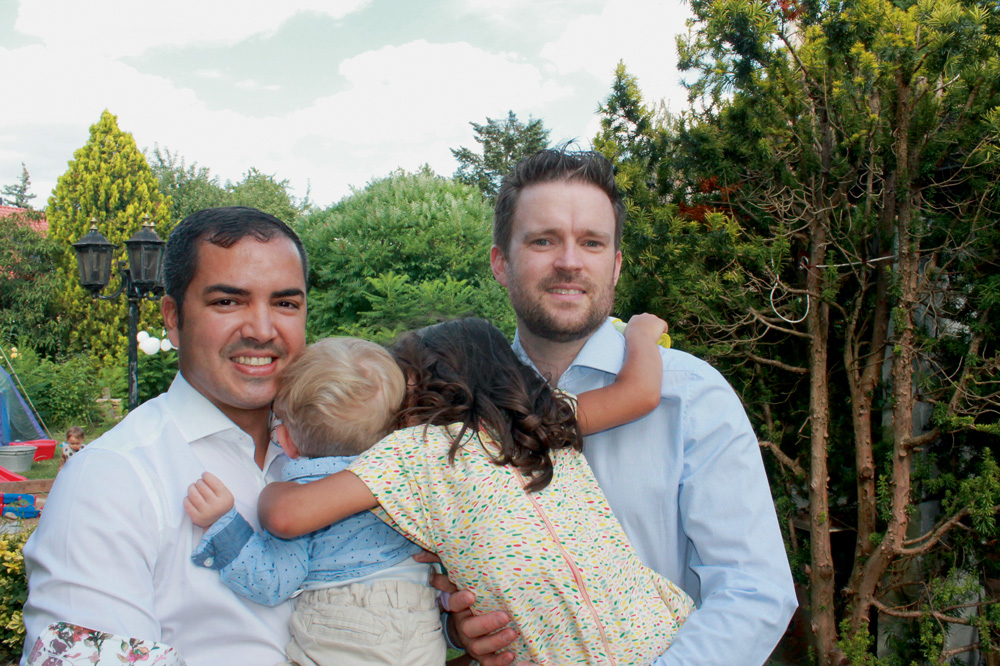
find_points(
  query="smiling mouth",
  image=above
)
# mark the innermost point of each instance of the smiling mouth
(254, 360)
(565, 292)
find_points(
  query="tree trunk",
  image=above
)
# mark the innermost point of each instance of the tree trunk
(907, 267)
(821, 606)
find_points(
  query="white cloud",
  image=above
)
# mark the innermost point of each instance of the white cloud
(404, 106)
(399, 106)
(640, 32)
(127, 27)
(251, 84)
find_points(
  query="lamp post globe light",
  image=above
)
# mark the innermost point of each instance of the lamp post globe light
(141, 278)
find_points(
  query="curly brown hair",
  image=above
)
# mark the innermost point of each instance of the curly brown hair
(464, 371)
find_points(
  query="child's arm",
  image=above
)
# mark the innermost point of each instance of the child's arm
(207, 500)
(636, 391)
(288, 509)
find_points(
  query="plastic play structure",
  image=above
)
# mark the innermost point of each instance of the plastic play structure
(19, 427)
(17, 420)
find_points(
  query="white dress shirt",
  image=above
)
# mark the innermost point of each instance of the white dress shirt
(113, 548)
(688, 485)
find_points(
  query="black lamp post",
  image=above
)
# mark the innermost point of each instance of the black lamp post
(141, 278)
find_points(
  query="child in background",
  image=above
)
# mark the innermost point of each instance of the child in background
(489, 474)
(73, 444)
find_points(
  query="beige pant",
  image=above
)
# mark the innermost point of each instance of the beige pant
(387, 622)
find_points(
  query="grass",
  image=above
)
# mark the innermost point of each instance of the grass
(46, 469)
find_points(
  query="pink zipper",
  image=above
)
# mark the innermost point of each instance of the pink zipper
(577, 576)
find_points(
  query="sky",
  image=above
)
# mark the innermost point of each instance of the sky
(326, 94)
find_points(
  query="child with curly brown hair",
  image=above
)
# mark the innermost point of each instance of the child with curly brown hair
(487, 472)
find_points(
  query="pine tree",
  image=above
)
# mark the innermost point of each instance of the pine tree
(505, 142)
(17, 195)
(109, 180)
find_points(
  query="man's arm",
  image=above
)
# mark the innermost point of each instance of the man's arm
(726, 510)
(90, 561)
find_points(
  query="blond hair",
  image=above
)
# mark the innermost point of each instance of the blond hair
(340, 396)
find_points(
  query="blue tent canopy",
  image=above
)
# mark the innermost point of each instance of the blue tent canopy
(17, 421)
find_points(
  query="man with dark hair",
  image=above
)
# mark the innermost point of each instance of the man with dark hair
(111, 554)
(687, 481)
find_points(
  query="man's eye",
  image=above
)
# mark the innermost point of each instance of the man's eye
(541, 241)
(223, 302)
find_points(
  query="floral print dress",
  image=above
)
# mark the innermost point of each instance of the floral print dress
(557, 560)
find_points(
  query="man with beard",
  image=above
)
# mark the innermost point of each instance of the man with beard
(687, 481)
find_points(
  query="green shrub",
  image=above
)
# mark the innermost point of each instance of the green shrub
(155, 373)
(64, 391)
(13, 592)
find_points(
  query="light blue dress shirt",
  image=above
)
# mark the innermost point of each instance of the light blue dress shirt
(268, 570)
(688, 485)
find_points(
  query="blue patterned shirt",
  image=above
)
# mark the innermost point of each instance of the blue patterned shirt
(268, 570)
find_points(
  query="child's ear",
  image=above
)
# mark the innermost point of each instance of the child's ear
(285, 440)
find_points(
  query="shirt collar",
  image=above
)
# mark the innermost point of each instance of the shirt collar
(195, 415)
(604, 350)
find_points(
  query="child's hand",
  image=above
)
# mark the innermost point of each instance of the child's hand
(207, 500)
(644, 327)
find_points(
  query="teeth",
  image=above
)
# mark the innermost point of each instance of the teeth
(253, 360)
(566, 291)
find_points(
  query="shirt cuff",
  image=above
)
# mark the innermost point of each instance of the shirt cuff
(447, 635)
(223, 541)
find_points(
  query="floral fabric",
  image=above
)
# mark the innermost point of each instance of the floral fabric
(65, 644)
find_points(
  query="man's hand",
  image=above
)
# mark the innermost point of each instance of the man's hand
(207, 500)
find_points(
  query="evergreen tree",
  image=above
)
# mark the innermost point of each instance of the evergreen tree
(852, 146)
(108, 180)
(17, 194)
(504, 143)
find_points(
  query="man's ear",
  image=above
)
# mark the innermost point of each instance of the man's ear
(618, 266)
(499, 265)
(171, 319)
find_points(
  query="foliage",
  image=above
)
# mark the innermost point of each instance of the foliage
(262, 191)
(109, 181)
(397, 253)
(13, 593)
(504, 143)
(29, 290)
(155, 373)
(192, 188)
(17, 194)
(398, 305)
(64, 390)
(824, 228)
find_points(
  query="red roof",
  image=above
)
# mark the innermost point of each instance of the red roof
(41, 225)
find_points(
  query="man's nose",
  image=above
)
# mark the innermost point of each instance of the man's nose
(259, 323)
(568, 258)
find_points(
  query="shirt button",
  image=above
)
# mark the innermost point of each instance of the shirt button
(209, 561)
